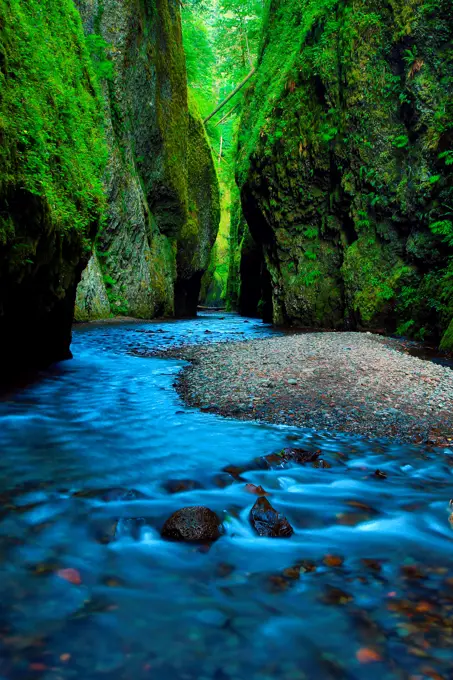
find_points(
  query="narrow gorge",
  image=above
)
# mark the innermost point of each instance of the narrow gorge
(226, 339)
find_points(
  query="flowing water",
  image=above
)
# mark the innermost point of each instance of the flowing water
(363, 589)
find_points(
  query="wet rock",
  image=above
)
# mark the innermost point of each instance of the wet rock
(321, 463)
(223, 480)
(269, 522)
(333, 561)
(179, 485)
(257, 490)
(111, 495)
(336, 596)
(192, 524)
(235, 471)
(104, 529)
(289, 455)
(380, 474)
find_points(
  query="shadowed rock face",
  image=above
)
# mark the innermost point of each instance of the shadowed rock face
(192, 524)
(199, 232)
(345, 165)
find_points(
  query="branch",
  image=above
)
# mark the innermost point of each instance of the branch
(227, 115)
(230, 96)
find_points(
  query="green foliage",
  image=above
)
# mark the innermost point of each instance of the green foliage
(410, 55)
(51, 130)
(401, 141)
(118, 304)
(443, 228)
(97, 47)
(220, 42)
(200, 59)
(404, 328)
(447, 156)
(447, 339)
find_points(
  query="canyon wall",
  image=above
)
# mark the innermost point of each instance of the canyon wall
(345, 165)
(155, 244)
(52, 159)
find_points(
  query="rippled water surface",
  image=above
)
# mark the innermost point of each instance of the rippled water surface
(363, 589)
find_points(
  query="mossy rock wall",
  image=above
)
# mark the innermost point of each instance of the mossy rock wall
(52, 159)
(199, 232)
(154, 241)
(345, 163)
(92, 301)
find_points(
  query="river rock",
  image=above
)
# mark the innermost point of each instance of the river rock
(282, 458)
(110, 495)
(195, 523)
(104, 529)
(267, 521)
(179, 485)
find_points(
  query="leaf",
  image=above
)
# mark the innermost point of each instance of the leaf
(71, 575)
(367, 655)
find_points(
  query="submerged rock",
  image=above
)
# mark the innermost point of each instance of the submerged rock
(179, 485)
(195, 523)
(286, 456)
(105, 529)
(267, 521)
(109, 495)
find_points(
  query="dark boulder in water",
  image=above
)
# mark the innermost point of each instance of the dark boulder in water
(267, 521)
(192, 524)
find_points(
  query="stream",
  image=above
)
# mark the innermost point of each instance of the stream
(363, 589)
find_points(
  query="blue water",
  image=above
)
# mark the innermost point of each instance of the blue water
(147, 608)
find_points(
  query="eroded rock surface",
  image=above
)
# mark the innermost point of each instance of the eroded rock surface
(192, 524)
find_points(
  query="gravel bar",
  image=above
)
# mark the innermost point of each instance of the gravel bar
(350, 382)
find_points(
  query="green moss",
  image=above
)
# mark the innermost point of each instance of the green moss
(447, 338)
(166, 176)
(200, 229)
(373, 276)
(346, 147)
(51, 132)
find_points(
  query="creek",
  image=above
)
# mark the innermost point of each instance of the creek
(363, 589)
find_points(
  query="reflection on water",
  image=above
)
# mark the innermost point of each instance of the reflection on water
(364, 588)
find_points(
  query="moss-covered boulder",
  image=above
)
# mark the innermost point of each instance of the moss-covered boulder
(52, 158)
(346, 163)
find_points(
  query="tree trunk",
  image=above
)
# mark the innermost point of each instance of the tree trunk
(230, 96)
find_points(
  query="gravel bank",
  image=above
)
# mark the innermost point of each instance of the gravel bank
(351, 382)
